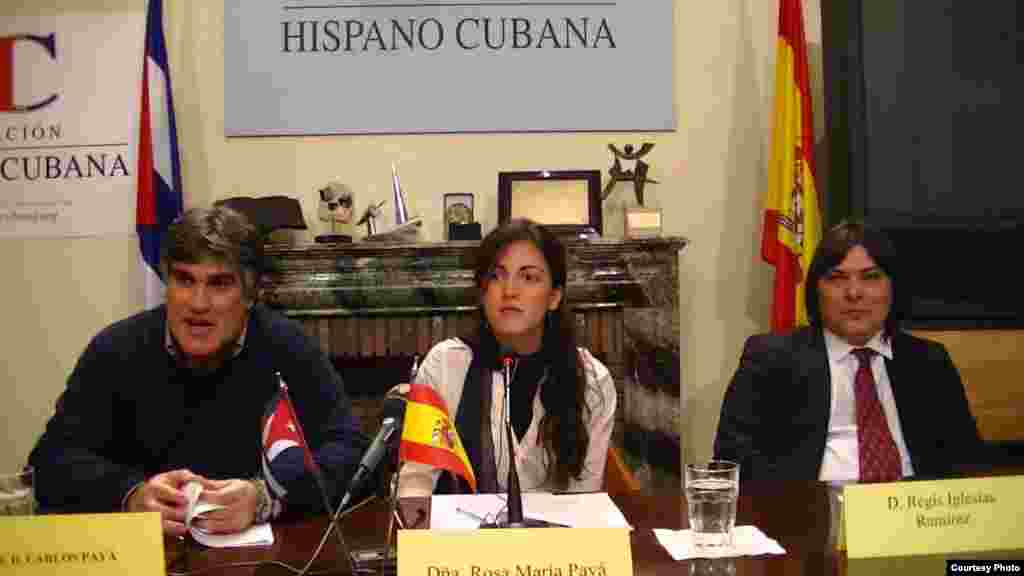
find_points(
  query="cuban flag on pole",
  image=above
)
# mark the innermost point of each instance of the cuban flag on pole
(159, 196)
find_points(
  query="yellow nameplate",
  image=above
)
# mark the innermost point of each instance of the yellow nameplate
(82, 544)
(515, 552)
(933, 517)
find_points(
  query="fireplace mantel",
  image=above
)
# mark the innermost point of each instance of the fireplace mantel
(376, 306)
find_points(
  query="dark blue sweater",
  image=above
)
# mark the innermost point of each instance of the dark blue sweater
(130, 411)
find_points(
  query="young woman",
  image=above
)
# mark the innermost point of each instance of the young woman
(562, 398)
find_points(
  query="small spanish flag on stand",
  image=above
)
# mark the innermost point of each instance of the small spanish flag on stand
(429, 437)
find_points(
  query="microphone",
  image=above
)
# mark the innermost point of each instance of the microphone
(515, 494)
(514, 501)
(393, 414)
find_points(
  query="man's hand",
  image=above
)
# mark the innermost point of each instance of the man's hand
(399, 390)
(240, 499)
(163, 493)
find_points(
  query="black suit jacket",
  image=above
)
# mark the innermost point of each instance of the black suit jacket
(774, 419)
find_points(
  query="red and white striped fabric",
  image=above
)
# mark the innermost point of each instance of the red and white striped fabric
(159, 194)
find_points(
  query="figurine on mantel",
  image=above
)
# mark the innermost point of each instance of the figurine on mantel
(637, 175)
(406, 229)
(639, 220)
(369, 218)
(336, 207)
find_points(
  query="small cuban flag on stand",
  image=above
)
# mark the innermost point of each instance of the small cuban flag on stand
(159, 198)
(282, 438)
(282, 433)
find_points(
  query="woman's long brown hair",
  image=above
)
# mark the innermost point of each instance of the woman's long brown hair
(563, 428)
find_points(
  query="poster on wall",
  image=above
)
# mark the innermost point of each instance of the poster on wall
(69, 88)
(310, 67)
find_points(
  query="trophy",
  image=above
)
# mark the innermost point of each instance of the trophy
(640, 221)
(637, 175)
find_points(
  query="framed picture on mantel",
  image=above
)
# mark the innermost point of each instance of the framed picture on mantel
(566, 201)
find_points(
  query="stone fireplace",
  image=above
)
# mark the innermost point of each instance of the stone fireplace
(374, 308)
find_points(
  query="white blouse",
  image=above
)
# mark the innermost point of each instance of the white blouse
(445, 368)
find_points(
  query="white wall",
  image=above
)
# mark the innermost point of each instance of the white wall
(712, 172)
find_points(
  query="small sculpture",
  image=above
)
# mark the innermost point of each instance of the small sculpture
(637, 175)
(336, 205)
(370, 218)
(401, 212)
(406, 228)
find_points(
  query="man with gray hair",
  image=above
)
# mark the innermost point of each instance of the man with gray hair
(177, 394)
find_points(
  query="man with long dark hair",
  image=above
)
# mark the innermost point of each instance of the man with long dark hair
(852, 396)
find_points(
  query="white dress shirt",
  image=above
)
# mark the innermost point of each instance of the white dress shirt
(445, 368)
(841, 461)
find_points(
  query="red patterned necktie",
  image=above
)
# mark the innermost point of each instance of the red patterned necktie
(879, 457)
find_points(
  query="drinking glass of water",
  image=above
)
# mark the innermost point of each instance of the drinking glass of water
(17, 497)
(711, 491)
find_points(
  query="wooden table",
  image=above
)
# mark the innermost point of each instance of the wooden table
(801, 516)
(796, 514)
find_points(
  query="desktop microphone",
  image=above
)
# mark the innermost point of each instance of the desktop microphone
(515, 494)
(393, 412)
(514, 501)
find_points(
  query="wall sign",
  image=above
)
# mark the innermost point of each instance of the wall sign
(312, 67)
(69, 87)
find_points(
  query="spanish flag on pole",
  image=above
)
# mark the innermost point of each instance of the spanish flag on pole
(792, 217)
(428, 436)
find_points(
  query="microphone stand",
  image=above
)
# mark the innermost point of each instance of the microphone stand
(514, 516)
(372, 560)
(395, 522)
(377, 560)
(385, 560)
(515, 494)
(335, 518)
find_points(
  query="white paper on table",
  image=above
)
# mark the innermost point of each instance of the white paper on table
(255, 535)
(467, 511)
(746, 541)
